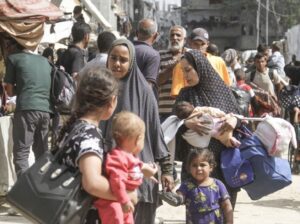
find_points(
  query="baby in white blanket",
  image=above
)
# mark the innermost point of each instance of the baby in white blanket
(185, 110)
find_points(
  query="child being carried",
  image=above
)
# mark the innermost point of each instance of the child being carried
(185, 110)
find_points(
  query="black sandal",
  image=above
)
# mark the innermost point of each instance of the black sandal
(171, 198)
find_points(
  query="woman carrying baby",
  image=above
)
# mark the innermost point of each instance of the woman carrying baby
(205, 88)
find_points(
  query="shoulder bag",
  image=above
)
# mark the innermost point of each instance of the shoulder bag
(50, 192)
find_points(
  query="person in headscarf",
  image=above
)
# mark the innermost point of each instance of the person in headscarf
(136, 96)
(230, 57)
(205, 88)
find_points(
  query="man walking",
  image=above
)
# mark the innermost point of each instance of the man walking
(169, 66)
(104, 42)
(74, 59)
(28, 77)
(147, 58)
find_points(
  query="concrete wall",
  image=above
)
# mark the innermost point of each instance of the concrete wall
(226, 28)
(195, 4)
(104, 6)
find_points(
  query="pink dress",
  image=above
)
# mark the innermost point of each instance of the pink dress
(123, 171)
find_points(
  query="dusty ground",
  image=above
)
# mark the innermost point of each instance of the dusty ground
(282, 207)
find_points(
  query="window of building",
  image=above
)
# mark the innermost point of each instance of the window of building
(215, 1)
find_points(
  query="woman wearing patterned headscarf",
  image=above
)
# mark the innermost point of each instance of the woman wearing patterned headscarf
(230, 57)
(137, 97)
(205, 88)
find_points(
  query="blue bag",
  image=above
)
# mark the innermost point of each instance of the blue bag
(237, 172)
(271, 173)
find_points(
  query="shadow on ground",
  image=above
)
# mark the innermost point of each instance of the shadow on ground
(277, 203)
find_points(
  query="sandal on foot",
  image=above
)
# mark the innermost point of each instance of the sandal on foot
(171, 198)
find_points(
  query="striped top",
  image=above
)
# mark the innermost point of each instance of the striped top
(166, 101)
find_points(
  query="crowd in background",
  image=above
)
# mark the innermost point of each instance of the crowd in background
(132, 76)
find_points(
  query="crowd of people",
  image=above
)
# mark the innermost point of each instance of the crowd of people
(123, 96)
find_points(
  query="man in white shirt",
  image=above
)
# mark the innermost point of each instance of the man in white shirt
(104, 42)
(263, 77)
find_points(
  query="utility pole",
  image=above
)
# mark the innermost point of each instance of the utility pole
(258, 22)
(267, 22)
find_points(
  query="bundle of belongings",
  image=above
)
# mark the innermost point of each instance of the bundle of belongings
(265, 103)
(249, 160)
(276, 134)
(268, 172)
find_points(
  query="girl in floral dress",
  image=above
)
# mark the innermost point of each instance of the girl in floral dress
(206, 198)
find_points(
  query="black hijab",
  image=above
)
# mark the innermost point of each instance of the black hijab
(211, 90)
(137, 97)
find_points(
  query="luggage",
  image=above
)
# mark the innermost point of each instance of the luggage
(276, 135)
(271, 173)
(237, 172)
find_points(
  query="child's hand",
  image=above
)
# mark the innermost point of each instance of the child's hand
(127, 207)
(149, 169)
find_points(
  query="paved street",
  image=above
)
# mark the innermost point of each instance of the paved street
(282, 207)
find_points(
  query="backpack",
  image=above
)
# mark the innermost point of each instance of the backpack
(243, 100)
(62, 90)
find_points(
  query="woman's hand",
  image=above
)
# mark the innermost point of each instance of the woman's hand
(167, 182)
(229, 123)
(202, 127)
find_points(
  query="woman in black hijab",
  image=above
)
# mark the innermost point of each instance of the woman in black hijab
(136, 96)
(205, 88)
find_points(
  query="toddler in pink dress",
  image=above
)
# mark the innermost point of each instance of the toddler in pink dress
(124, 170)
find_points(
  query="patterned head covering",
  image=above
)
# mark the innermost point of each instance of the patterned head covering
(211, 90)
